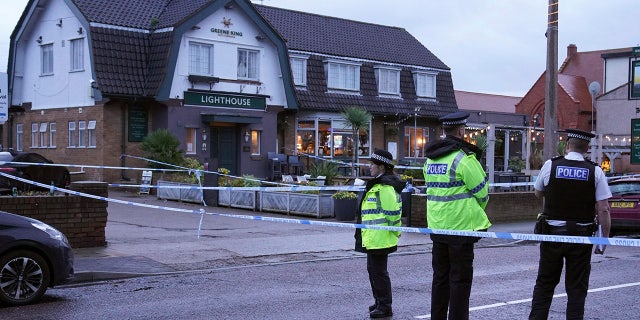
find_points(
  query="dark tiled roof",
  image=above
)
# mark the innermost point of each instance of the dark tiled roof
(341, 37)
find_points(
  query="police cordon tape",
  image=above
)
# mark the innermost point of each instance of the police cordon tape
(480, 234)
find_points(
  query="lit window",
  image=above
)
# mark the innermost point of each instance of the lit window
(388, 80)
(34, 135)
(200, 59)
(248, 64)
(425, 83)
(191, 140)
(91, 131)
(72, 134)
(299, 70)
(343, 76)
(255, 142)
(415, 140)
(52, 134)
(46, 65)
(77, 54)
(19, 136)
(43, 134)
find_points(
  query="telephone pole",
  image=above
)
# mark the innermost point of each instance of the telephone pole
(551, 97)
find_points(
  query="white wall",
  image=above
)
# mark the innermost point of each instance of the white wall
(63, 88)
(226, 58)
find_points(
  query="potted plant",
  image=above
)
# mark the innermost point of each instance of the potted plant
(345, 205)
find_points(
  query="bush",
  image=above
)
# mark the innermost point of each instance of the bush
(345, 195)
(324, 168)
(162, 146)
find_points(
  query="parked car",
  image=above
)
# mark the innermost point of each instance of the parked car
(33, 257)
(57, 175)
(625, 204)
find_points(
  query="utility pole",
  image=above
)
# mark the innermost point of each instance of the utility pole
(551, 97)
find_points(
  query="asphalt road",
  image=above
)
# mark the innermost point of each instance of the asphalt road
(338, 288)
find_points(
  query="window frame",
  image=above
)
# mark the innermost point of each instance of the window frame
(46, 59)
(71, 141)
(91, 134)
(340, 74)
(82, 134)
(421, 88)
(43, 134)
(19, 136)
(299, 74)
(256, 142)
(195, 67)
(35, 126)
(249, 64)
(190, 141)
(76, 55)
(52, 134)
(383, 79)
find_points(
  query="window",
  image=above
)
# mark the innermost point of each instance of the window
(34, 135)
(415, 139)
(19, 136)
(248, 64)
(299, 70)
(388, 80)
(425, 83)
(52, 134)
(200, 58)
(77, 54)
(43, 134)
(255, 142)
(191, 140)
(82, 134)
(46, 66)
(91, 131)
(72, 134)
(343, 76)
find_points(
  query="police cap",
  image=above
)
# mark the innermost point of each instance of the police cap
(454, 119)
(578, 134)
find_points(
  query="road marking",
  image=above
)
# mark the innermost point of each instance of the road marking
(502, 304)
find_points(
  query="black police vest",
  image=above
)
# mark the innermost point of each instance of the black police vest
(570, 194)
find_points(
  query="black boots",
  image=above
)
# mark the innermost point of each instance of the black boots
(380, 312)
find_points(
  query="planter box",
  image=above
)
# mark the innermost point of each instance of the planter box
(314, 205)
(245, 199)
(194, 194)
(345, 209)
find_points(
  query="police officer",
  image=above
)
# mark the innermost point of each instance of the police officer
(380, 206)
(575, 191)
(457, 193)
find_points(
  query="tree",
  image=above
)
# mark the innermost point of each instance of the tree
(357, 119)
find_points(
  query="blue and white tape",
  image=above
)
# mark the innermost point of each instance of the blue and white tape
(480, 234)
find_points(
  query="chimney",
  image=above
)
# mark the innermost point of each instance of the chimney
(571, 50)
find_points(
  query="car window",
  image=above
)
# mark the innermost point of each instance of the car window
(625, 188)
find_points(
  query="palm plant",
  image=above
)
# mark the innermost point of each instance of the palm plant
(357, 119)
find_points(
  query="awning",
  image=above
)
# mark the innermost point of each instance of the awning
(226, 118)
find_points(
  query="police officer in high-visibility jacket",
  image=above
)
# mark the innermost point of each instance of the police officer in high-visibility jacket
(457, 193)
(380, 206)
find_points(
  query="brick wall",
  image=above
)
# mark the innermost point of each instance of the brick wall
(502, 207)
(81, 219)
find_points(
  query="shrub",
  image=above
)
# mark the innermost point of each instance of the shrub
(324, 168)
(162, 146)
(345, 195)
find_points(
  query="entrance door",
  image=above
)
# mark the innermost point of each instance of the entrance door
(224, 148)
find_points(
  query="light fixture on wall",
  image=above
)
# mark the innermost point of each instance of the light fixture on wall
(247, 135)
(39, 40)
(59, 23)
(195, 28)
(80, 30)
(204, 134)
(228, 6)
(260, 37)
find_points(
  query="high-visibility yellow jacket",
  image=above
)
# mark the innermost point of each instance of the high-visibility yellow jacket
(381, 206)
(457, 191)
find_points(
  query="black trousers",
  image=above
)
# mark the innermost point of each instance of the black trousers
(452, 263)
(578, 269)
(379, 279)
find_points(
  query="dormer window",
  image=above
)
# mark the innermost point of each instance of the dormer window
(299, 69)
(248, 64)
(342, 75)
(200, 58)
(388, 79)
(425, 82)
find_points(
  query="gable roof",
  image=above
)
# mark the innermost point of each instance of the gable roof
(587, 64)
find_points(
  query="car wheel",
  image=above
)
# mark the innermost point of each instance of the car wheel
(24, 277)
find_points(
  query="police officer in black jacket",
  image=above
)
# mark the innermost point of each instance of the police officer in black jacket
(575, 192)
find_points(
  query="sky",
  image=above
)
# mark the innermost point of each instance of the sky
(491, 46)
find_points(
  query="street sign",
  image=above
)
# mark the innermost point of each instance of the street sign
(635, 141)
(4, 97)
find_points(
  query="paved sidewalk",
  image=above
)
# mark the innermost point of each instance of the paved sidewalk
(144, 241)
